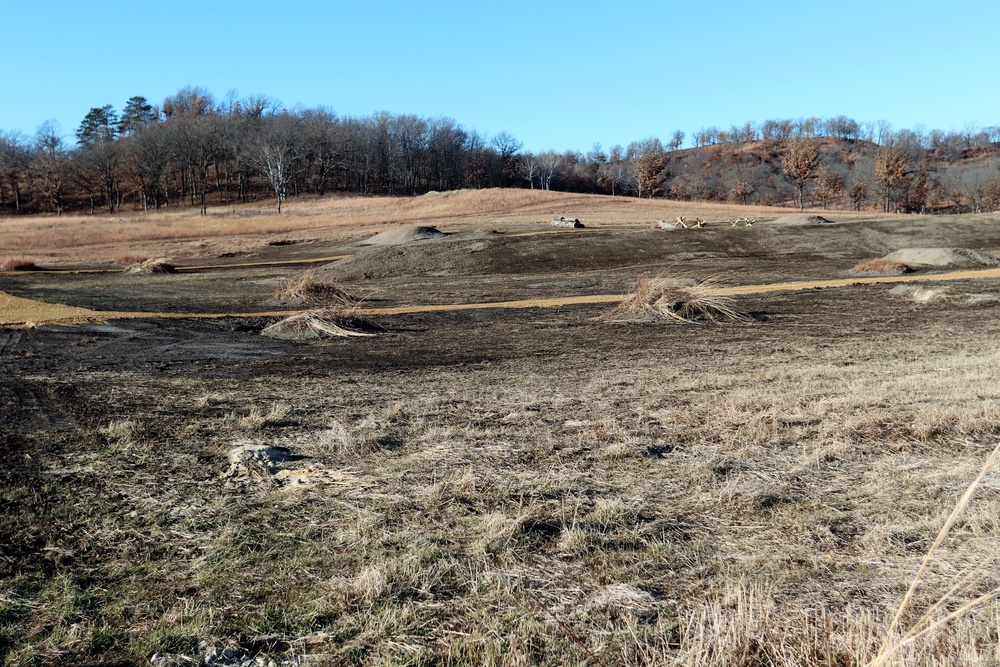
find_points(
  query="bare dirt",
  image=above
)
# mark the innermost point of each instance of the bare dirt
(937, 258)
(467, 474)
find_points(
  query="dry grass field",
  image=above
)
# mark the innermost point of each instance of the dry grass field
(185, 233)
(567, 485)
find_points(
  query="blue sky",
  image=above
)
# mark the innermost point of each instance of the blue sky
(557, 75)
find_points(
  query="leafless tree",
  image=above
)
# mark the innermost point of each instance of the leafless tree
(14, 160)
(49, 166)
(548, 165)
(277, 152)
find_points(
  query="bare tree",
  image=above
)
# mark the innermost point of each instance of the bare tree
(507, 146)
(676, 140)
(14, 159)
(49, 166)
(548, 165)
(742, 183)
(276, 154)
(528, 168)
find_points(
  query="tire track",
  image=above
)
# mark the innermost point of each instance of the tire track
(9, 338)
(33, 407)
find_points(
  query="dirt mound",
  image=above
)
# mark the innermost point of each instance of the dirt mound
(942, 257)
(403, 235)
(801, 219)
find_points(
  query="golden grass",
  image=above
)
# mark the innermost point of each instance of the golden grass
(126, 259)
(338, 218)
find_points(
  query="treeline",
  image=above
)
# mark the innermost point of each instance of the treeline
(833, 163)
(192, 150)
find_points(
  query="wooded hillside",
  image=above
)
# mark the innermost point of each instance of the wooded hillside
(194, 150)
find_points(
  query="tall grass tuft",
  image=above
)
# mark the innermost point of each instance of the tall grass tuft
(313, 290)
(671, 299)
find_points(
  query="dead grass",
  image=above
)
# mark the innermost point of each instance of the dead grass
(311, 289)
(743, 497)
(128, 260)
(257, 418)
(329, 322)
(671, 299)
(184, 233)
(880, 265)
(156, 265)
(966, 590)
(481, 529)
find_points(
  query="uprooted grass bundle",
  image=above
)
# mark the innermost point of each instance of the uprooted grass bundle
(319, 323)
(880, 265)
(310, 289)
(667, 298)
(150, 266)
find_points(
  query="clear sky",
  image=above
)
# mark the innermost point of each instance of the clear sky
(556, 74)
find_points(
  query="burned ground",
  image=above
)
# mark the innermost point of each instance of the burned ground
(516, 486)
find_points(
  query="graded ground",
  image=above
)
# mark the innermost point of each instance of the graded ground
(528, 485)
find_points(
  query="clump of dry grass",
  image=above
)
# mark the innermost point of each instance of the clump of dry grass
(18, 264)
(151, 266)
(257, 418)
(122, 433)
(880, 265)
(313, 290)
(126, 259)
(671, 299)
(319, 323)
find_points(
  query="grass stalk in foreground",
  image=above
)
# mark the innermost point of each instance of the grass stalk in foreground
(925, 624)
